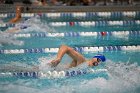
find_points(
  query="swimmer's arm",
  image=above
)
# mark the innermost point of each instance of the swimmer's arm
(73, 64)
(62, 50)
(72, 53)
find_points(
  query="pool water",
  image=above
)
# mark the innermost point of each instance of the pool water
(123, 67)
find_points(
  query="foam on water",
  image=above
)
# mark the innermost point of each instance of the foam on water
(16, 66)
(6, 38)
(43, 63)
(35, 24)
(123, 78)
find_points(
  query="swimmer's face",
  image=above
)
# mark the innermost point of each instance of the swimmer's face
(94, 62)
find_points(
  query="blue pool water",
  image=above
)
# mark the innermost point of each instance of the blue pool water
(123, 67)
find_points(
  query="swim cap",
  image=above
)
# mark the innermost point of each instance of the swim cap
(101, 57)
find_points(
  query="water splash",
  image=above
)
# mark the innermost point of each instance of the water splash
(6, 38)
(123, 78)
(43, 63)
(16, 67)
(34, 24)
(10, 88)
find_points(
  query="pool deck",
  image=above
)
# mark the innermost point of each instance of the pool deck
(43, 9)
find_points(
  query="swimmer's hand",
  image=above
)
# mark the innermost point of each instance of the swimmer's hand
(55, 62)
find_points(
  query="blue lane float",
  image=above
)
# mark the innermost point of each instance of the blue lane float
(26, 74)
(86, 23)
(1, 51)
(35, 50)
(80, 49)
(96, 23)
(133, 14)
(79, 34)
(53, 74)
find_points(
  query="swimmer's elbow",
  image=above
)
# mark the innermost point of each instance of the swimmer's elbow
(64, 47)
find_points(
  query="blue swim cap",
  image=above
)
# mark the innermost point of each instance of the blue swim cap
(101, 57)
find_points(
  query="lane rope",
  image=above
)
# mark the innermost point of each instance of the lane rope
(51, 74)
(81, 34)
(79, 49)
(133, 14)
(86, 23)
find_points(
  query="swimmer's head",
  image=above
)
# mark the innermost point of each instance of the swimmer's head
(100, 57)
(96, 60)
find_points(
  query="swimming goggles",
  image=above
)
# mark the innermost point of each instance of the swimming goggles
(96, 63)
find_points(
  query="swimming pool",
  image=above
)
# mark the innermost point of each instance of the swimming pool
(115, 34)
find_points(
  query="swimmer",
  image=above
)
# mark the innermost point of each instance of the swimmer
(77, 58)
(17, 28)
(18, 15)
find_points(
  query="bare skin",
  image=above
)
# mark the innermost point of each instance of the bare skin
(77, 57)
(18, 15)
